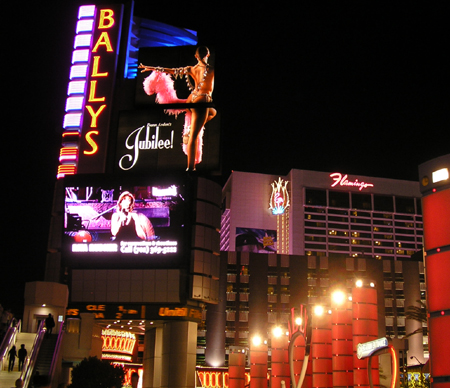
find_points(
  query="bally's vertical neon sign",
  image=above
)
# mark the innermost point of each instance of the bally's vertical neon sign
(90, 90)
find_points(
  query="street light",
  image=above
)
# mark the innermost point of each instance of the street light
(256, 340)
(338, 297)
(421, 369)
(277, 331)
(319, 310)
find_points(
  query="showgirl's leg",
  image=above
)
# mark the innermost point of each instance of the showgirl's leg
(198, 120)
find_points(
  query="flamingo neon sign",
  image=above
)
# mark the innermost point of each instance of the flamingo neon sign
(279, 200)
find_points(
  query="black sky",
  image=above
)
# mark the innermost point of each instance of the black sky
(355, 87)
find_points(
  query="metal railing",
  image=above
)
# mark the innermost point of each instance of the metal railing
(8, 341)
(30, 361)
(55, 358)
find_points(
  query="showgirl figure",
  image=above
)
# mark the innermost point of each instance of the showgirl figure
(201, 93)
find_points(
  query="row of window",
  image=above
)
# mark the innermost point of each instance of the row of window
(339, 199)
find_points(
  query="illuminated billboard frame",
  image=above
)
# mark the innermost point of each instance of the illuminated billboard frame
(157, 135)
(137, 222)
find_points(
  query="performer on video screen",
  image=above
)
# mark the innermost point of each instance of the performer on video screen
(201, 92)
(127, 225)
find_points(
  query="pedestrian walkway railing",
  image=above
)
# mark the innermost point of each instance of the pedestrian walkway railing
(30, 361)
(8, 341)
(56, 354)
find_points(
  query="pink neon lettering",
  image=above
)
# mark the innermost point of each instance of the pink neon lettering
(343, 181)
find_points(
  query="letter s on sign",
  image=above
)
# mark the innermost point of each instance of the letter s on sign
(91, 142)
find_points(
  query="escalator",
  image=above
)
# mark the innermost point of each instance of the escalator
(41, 359)
(42, 368)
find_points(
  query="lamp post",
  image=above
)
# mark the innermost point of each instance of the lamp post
(341, 339)
(279, 352)
(258, 362)
(421, 370)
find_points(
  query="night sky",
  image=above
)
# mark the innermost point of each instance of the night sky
(355, 87)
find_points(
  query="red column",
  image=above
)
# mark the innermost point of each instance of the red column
(436, 228)
(236, 367)
(321, 351)
(280, 361)
(365, 328)
(342, 344)
(258, 366)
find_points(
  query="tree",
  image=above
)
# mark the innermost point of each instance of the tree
(95, 373)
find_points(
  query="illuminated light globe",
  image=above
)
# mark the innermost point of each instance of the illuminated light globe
(277, 331)
(359, 283)
(298, 321)
(319, 310)
(338, 297)
(83, 236)
(256, 340)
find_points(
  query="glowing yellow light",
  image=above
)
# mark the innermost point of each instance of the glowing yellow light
(319, 310)
(298, 321)
(256, 340)
(277, 331)
(338, 297)
(359, 283)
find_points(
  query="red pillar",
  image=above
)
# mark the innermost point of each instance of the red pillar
(365, 329)
(258, 366)
(322, 376)
(436, 233)
(342, 344)
(280, 361)
(236, 367)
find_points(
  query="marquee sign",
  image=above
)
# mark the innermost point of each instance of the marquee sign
(136, 312)
(217, 378)
(366, 349)
(118, 341)
(279, 200)
(342, 180)
(90, 90)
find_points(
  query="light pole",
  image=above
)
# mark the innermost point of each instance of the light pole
(421, 370)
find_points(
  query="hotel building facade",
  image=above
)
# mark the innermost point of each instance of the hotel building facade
(328, 230)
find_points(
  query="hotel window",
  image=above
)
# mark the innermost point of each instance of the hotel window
(324, 263)
(350, 264)
(272, 317)
(419, 206)
(383, 203)
(361, 264)
(272, 260)
(404, 205)
(361, 201)
(231, 257)
(339, 199)
(315, 197)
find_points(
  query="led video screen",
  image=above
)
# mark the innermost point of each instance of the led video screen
(136, 223)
